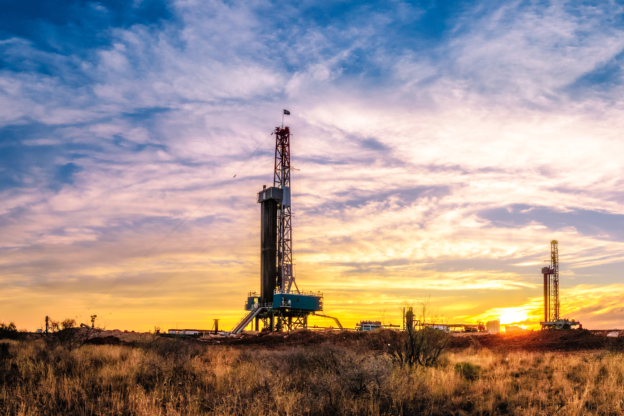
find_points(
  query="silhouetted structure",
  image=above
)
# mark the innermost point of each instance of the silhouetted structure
(280, 305)
(552, 318)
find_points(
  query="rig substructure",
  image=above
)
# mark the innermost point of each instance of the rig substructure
(280, 305)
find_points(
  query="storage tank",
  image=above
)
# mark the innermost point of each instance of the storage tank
(493, 327)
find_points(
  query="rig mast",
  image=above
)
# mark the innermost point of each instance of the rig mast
(551, 285)
(552, 316)
(554, 267)
(281, 180)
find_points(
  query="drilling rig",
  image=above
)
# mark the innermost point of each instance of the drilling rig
(552, 319)
(280, 305)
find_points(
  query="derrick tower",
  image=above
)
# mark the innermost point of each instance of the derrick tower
(280, 305)
(281, 180)
(551, 285)
(552, 316)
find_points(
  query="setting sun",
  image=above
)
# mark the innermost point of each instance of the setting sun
(513, 315)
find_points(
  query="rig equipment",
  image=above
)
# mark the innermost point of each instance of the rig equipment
(280, 305)
(552, 305)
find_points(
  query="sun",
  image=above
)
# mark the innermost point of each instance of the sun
(513, 315)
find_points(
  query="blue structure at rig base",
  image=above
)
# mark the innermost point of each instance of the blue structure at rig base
(285, 312)
(296, 301)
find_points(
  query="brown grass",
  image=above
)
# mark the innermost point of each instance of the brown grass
(168, 377)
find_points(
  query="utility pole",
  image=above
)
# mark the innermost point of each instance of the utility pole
(47, 320)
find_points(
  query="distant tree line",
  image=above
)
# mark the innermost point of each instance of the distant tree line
(9, 331)
(66, 333)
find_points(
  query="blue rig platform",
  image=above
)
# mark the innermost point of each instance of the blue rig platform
(287, 312)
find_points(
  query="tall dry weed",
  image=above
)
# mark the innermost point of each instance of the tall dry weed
(167, 377)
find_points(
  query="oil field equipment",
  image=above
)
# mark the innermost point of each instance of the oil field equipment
(479, 327)
(552, 305)
(368, 325)
(410, 323)
(280, 305)
(493, 327)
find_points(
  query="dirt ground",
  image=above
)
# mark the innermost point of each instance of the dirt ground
(563, 340)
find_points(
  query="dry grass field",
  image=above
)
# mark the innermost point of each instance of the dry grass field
(157, 376)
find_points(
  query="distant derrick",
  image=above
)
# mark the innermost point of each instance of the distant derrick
(552, 318)
(551, 285)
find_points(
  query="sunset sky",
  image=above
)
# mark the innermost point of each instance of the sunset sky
(440, 147)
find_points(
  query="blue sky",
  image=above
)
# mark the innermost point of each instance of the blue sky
(441, 146)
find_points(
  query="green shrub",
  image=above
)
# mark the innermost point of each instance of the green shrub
(468, 371)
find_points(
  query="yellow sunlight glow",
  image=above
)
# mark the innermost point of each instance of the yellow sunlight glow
(513, 315)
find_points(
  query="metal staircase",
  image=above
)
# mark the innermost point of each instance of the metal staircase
(246, 320)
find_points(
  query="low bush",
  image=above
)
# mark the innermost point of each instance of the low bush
(468, 371)
(419, 348)
(9, 331)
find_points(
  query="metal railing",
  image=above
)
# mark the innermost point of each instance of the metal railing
(246, 320)
(301, 292)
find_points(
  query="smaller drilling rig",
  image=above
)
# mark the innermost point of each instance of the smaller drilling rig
(552, 319)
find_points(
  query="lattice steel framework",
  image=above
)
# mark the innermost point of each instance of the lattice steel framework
(551, 285)
(281, 180)
(284, 321)
(554, 281)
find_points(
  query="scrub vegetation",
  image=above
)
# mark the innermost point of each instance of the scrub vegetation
(160, 376)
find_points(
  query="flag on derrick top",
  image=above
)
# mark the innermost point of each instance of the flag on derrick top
(286, 112)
